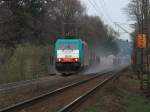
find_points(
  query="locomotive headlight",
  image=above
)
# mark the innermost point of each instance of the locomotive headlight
(76, 59)
(59, 59)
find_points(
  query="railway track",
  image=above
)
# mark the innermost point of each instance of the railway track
(63, 99)
(14, 85)
(75, 103)
(20, 84)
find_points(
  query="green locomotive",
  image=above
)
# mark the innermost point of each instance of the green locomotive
(71, 55)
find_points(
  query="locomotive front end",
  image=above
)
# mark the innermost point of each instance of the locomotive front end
(67, 55)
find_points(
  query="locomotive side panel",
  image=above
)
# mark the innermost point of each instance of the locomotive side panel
(86, 55)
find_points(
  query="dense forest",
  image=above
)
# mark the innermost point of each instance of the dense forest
(37, 21)
(29, 29)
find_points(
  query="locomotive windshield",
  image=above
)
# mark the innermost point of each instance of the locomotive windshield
(68, 46)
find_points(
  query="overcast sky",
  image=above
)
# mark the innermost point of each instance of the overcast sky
(110, 11)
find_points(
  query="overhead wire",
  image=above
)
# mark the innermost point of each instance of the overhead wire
(103, 4)
(99, 11)
(96, 9)
(108, 15)
(104, 14)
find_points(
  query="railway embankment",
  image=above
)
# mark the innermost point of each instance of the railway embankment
(121, 95)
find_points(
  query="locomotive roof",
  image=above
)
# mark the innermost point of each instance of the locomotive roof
(69, 40)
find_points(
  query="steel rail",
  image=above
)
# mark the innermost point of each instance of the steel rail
(72, 105)
(14, 85)
(36, 99)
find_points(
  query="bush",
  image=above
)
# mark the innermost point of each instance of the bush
(25, 63)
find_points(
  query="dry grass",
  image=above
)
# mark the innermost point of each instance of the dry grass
(26, 62)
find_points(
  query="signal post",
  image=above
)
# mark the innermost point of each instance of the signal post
(142, 45)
